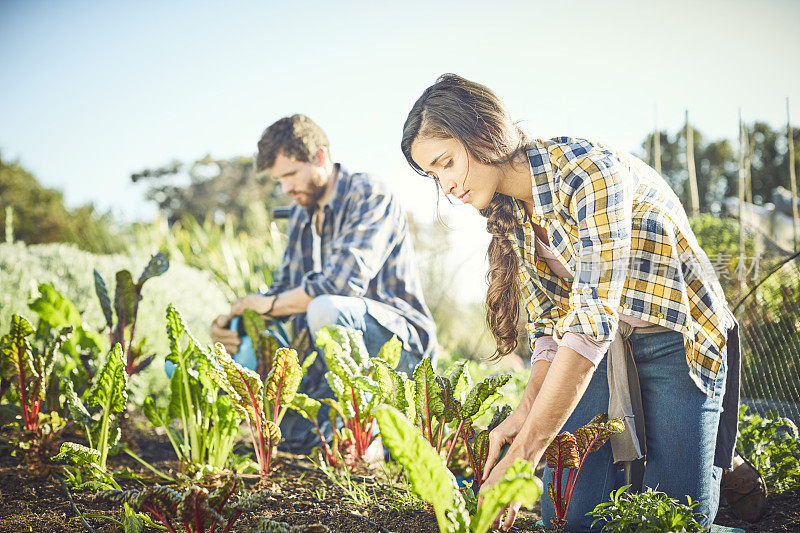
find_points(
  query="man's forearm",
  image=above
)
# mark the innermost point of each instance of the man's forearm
(565, 381)
(291, 302)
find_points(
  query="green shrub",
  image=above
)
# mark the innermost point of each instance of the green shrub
(772, 444)
(194, 294)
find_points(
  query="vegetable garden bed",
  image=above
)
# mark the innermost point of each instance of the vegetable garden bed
(39, 503)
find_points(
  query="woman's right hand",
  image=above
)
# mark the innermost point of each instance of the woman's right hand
(503, 434)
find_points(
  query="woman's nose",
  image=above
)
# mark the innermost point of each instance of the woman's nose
(448, 186)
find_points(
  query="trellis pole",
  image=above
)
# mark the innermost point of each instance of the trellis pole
(690, 166)
(792, 176)
(741, 191)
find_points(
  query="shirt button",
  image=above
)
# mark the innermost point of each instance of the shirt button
(587, 290)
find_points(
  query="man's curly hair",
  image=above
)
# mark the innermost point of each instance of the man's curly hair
(296, 136)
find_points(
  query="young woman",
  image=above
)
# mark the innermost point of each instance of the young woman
(599, 249)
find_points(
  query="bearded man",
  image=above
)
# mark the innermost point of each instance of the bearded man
(349, 261)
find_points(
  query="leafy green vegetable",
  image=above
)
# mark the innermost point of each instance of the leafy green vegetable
(519, 484)
(109, 392)
(772, 445)
(127, 296)
(569, 452)
(195, 509)
(427, 474)
(263, 404)
(430, 479)
(646, 512)
(359, 384)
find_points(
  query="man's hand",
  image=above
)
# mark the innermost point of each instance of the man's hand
(219, 327)
(256, 302)
(221, 333)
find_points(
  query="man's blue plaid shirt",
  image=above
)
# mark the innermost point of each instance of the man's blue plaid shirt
(367, 252)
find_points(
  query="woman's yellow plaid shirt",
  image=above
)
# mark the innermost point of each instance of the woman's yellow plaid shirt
(623, 234)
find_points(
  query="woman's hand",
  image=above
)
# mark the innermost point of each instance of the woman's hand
(503, 434)
(495, 475)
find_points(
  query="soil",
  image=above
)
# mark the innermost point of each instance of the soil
(38, 502)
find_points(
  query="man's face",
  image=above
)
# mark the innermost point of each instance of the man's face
(304, 182)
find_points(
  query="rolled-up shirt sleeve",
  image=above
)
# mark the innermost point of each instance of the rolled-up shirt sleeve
(601, 205)
(357, 253)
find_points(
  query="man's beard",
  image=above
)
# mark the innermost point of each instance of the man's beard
(309, 196)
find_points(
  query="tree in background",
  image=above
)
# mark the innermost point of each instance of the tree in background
(717, 167)
(715, 163)
(38, 214)
(209, 189)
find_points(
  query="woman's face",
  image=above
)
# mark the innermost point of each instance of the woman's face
(459, 173)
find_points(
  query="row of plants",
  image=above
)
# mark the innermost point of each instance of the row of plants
(429, 421)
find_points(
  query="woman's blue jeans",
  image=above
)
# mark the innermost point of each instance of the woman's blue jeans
(680, 432)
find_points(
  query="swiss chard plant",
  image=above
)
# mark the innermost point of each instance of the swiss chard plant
(444, 407)
(353, 377)
(28, 368)
(193, 510)
(569, 452)
(55, 313)
(108, 395)
(262, 403)
(208, 420)
(127, 296)
(645, 512)
(430, 479)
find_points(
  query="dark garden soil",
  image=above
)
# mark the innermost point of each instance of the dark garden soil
(39, 501)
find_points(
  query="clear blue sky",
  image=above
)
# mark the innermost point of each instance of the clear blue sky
(91, 91)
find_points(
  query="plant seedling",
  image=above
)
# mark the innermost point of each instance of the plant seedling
(570, 452)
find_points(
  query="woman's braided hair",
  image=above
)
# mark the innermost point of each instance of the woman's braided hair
(456, 108)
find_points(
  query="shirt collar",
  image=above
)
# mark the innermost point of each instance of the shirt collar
(337, 200)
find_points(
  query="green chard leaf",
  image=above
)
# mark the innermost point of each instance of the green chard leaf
(480, 451)
(305, 406)
(77, 454)
(390, 352)
(125, 299)
(15, 350)
(428, 399)
(454, 373)
(480, 393)
(102, 294)
(77, 411)
(242, 384)
(392, 389)
(519, 484)
(110, 386)
(336, 346)
(284, 377)
(54, 309)
(427, 474)
(157, 265)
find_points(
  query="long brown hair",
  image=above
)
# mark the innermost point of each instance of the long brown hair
(456, 108)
